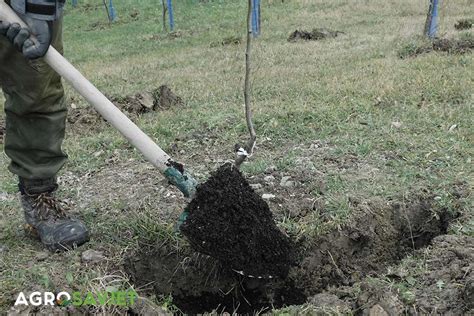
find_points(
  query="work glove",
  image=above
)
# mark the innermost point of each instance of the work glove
(33, 42)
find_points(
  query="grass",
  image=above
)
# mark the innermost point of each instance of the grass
(343, 94)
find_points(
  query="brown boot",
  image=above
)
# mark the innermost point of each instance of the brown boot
(46, 216)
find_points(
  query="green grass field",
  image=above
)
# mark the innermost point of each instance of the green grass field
(346, 118)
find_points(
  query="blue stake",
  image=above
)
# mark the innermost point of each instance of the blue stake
(74, 3)
(256, 18)
(433, 29)
(170, 11)
(112, 12)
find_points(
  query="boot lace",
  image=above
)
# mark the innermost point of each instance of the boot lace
(49, 206)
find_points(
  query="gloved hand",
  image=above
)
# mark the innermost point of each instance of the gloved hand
(23, 40)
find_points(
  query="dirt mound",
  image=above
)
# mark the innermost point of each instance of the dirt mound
(378, 237)
(314, 35)
(143, 102)
(165, 98)
(229, 221)
(231, 40)
(451, 46)
(337, 263)
(460, 46)
(443, 284)
(464, 24)
(83, 116)
(139, 103)
(2, 131)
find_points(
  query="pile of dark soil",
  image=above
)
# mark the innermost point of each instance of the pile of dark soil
(2, 131)
(314, 35)
(143, 102)
(464, 24)
(451, 46)
(230, 222)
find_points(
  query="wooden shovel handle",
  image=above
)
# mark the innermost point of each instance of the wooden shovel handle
(109, 111)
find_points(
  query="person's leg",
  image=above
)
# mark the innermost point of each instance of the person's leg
(35, 114)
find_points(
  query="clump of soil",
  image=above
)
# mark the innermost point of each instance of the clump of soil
(86, 7)
(451, 46)
(230, 222)
(174, 34)
(83, 116)
(2, 131)
(464, 24)
(165, 98)
(98, 26)
(460, 46)
(162, 98)
(143, 102)
(231, 40)
(314, 35)
(139, 103)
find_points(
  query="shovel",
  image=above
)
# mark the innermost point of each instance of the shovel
(173, 171)
(227, 219)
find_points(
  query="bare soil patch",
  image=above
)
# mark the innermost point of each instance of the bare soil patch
(123, 187)
(161, 98)
(443, 286)
(460, 46)
(83, 116)
(379, 236)
(449, 274)
(464, 24)
(231, 40)
(450, 46)
(314, 35)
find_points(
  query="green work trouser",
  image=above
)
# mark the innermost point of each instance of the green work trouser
(35, 113)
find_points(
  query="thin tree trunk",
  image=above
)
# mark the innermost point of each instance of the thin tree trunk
(165, 8)
(107, 10)
(241, 156)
